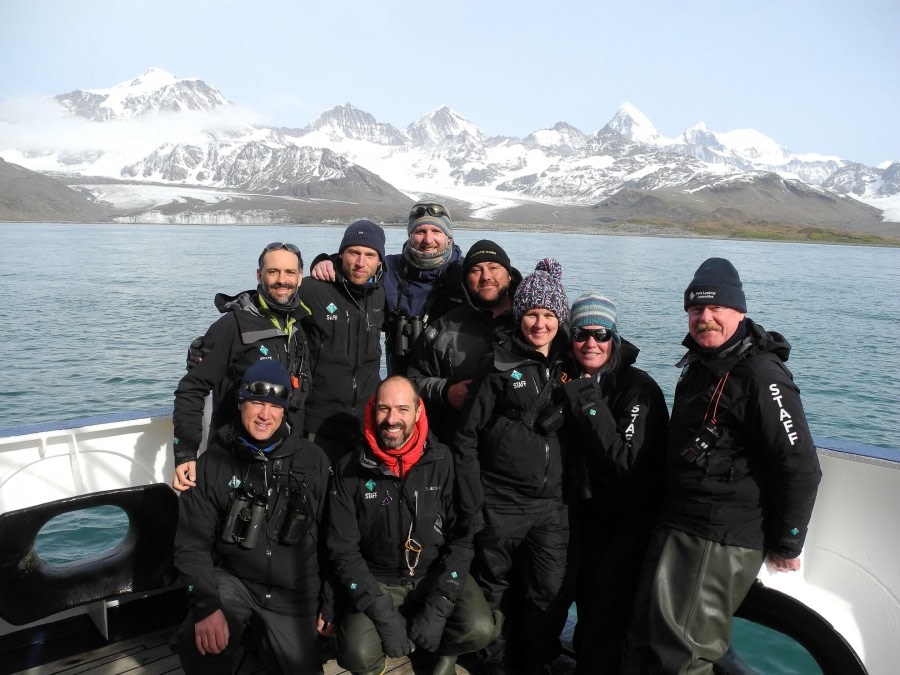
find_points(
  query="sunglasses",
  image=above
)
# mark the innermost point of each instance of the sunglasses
(277, 246)
(265, 388)
(420, 210)
(599, 334)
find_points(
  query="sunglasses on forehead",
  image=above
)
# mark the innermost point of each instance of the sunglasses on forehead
(420, 210)
(261, 388)
(599, 334)
(278, 246)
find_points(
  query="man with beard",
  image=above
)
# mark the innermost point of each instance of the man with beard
(741, 479)
(420, 283)
(456, 348)
(397, 544)
(259, 324)
(344, 331)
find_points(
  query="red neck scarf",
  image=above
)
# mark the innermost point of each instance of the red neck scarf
(409, 452)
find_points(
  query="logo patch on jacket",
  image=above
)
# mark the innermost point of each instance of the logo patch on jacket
(331, 307)
(370, 485)
(516, 375)
(264, 350)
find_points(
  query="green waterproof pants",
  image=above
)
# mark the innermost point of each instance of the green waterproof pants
(471, 626)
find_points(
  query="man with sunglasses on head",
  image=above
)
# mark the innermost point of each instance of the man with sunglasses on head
(344, 332)
(259, 324)
(247, 543)
(420, 283)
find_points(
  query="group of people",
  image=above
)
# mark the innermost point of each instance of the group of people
(514, 461)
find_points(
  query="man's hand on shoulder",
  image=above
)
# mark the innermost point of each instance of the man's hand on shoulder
(323, 271)
(185, 476)
(196, 351)
(211, 633)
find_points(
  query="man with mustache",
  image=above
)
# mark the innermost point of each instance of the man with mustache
(344, 330)
(399, 549)
(458, 346)
(256, 324)
(741, 480)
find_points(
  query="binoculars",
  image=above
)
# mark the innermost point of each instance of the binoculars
(406, 330)
(246, 516)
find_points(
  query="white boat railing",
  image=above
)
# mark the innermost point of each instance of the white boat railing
(849, 573)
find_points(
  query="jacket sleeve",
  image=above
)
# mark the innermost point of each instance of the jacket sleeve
(343, 540)
(425, 369)
(477, 413)
(794, 473)
(614, 439)
(458, 547)
(199, 512)
(193, 388)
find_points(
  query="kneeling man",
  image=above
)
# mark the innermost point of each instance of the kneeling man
(247, 535)
(400, 551)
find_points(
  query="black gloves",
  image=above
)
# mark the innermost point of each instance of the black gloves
(428, 625)
(391, 627)
(196, 352)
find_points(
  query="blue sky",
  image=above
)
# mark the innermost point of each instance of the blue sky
(814, 76)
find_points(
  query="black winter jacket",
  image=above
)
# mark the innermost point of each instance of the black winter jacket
(457, 346)
(344, 333)
(620, 433)
(289, 573)
(759, 485)
(496, 450)
(240, 338)
(370, 511)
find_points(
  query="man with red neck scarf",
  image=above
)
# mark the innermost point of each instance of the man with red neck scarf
(400, 551)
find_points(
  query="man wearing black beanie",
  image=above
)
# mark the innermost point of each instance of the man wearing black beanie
(741, 480)
(450, 352)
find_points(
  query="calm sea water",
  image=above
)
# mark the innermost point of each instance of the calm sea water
(97, 319)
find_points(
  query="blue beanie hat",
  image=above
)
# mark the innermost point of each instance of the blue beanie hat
(591, 309)
(364, 233)
(542, 288)
(716, 282)
(441, 220)
(269, 372)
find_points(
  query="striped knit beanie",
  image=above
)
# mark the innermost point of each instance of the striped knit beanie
(542, 288)
(442, 221)
(591, 309)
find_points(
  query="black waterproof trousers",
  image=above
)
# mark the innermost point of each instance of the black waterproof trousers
(520, 563)
(286, 643)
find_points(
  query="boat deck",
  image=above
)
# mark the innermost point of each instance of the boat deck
(149, 654)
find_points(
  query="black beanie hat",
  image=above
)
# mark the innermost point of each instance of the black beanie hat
(485, 251)
(267, 372)
(716, 282)
(364, 233)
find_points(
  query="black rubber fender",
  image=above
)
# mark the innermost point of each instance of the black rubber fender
(779, 611)
(31, 588)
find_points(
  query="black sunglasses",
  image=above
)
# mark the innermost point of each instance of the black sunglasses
(420, 210)
(599, 334)
(264, 388)
(277, 246)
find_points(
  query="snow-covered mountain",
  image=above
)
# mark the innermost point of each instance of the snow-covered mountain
(154, 91)
(441, 153)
